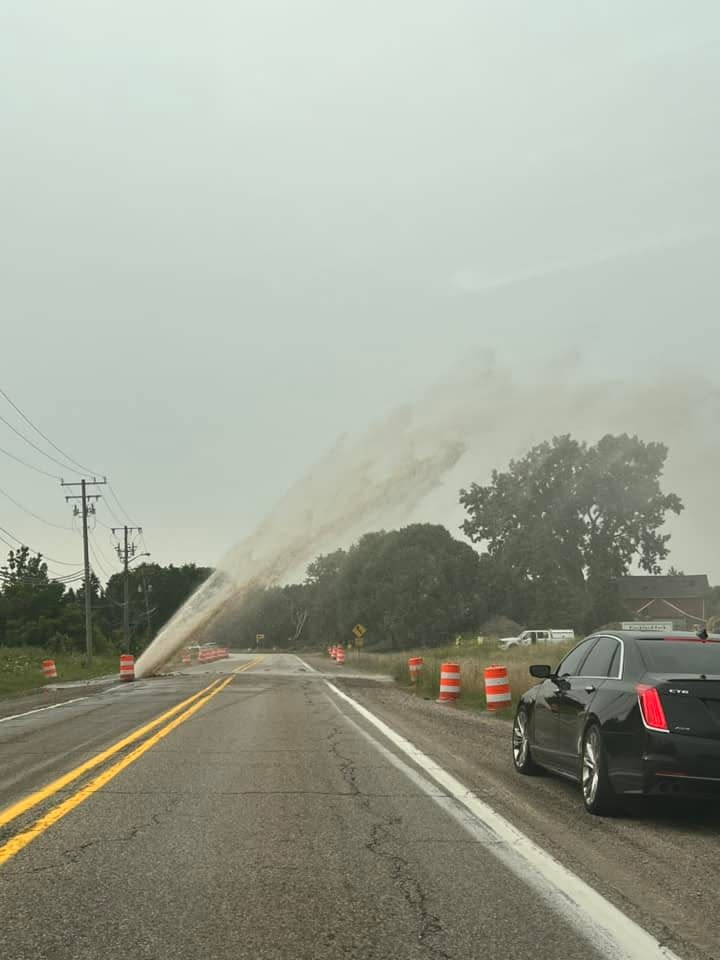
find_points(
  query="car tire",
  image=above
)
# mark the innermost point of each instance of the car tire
(521, 753)
(599, 796)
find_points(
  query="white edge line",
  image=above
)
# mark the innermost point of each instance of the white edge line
(51, 706)
(307, 665)
(595, 917)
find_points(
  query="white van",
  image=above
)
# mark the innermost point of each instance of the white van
(528, 637)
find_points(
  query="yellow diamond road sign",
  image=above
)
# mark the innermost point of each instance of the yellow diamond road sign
(359, 630)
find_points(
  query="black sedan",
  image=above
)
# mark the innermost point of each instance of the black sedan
(626, 714)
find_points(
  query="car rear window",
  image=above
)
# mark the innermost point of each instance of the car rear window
(680, 656)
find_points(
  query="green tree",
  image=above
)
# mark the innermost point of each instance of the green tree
(156, 593)
(30, 603)
(562, 523)
(414, 586)
(322, 583)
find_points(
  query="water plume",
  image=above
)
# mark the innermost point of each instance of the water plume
(409, 466)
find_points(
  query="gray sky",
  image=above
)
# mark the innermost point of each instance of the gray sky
(233, 230)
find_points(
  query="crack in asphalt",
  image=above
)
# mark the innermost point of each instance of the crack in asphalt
(381, 834)
(73, 854)
(429, 924)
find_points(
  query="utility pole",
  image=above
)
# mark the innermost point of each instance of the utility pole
(88, 506)
(145, 589)
(126, 551)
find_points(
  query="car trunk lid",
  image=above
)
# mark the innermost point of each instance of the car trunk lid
(691, 704)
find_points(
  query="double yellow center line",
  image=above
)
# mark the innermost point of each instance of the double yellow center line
(174, 716)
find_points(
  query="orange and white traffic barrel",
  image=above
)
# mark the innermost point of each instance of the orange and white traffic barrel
(449, 682)
(186, 657)
(333, 652)
(49, 670)
(127, 666)
(340, 656)
(415, 666)
(497, 688)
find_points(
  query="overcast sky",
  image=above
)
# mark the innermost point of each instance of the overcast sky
(232, 230)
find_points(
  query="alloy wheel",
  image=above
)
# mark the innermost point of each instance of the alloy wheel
(520, 739)
(591, 766)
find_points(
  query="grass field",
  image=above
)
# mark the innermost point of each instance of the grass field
(21, 668)
(472, 663)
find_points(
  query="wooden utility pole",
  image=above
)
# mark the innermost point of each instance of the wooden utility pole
(87, 506)
(126, 551)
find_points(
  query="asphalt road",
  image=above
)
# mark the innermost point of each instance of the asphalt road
(265, 818)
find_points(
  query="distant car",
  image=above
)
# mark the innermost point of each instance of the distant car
(529, 637)
(626, 715)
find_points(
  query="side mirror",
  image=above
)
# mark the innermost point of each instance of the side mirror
(541, 671)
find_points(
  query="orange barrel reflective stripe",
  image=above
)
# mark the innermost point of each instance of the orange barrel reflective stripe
(497, 688)
(340, 656)
(127, 666)
(49, 670)
(449, 682)
(415, 665)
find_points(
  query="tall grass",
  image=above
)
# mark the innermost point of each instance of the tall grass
(21, 668)
(472, 664)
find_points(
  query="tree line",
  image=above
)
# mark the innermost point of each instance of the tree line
(553, 533)
(40, 612)
(546, 540)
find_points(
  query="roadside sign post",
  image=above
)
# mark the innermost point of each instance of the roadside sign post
(359, 630)
(259, 637)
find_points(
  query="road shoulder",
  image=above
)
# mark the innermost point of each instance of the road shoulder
(646, 863)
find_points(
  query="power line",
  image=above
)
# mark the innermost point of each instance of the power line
(143, 542)
(101, 523)
(30, 513)
(63, 563)
(70, 578)
(53, 476)
(27, 440)
(7, 543)
(102, 555)
(36, 578)
(96, 558)
(112, 513)
(115, 498)
(45, 437)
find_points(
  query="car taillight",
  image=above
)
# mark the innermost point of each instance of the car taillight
(651, 708)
